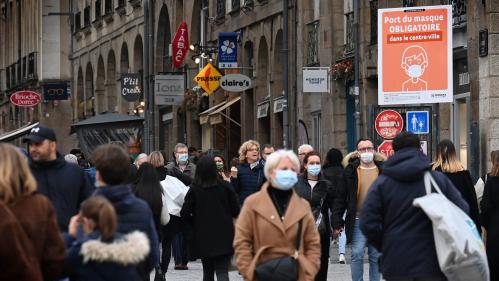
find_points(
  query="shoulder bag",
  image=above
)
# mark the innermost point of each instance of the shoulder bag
(283, 268)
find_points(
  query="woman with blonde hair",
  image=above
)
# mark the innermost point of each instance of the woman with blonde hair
(33, 218)
(158, 161)
(250, 175)
(96, 251)
(446, 161)
(490, 216)
(276, 226)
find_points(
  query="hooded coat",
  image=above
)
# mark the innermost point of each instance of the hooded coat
(65, 184)
(402, 232)
(346, 196)
(261, 235)
(91, 259)
(133, 215)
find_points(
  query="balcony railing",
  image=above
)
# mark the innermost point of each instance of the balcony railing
(22, 71)
(409, 3)
(458, 12)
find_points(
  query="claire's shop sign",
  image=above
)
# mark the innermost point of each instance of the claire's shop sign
(25, 98)
(235, 82)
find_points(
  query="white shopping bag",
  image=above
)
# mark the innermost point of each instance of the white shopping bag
(175, 192)
(460, 250)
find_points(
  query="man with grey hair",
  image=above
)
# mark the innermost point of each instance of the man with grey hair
(180, 167)
(302, 151)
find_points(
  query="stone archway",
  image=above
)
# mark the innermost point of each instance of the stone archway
(89, 91)
(162, 62)
(277, 90)
(262, 90)
(80, 95)
(124, 68)
(100, 89)
(111, 90)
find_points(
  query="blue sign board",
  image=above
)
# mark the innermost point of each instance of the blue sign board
(56, 91)
(418, 122)
(227, 49)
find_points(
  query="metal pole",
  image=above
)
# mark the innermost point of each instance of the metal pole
(285, 72)
(149, 97)
(356, 19)
(203, 30)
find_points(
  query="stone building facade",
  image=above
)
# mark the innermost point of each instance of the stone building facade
(34, 55)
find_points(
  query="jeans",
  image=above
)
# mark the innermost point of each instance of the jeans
(180, 255)
(325, 243)
(216, 265)
(359, 243)
(342, 243)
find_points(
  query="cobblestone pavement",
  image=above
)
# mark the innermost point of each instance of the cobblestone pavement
(336, 272)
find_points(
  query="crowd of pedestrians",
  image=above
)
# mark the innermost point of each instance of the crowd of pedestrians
(270, 213)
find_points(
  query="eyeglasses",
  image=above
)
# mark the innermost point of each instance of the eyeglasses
(254, 149)
(366, 149)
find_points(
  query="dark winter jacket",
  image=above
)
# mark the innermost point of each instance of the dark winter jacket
(248, 180)
(401, 232)
(133, 214)
(323, 192)
(346, 196)
(162, 172)
(184, 176)
(490, 221)
(333, 174)
(90, 259)
(463, 182)
(209, 214)
(65, 184)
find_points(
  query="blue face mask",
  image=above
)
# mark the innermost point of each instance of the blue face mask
(183, 158)
(285, 179)
(314, 169)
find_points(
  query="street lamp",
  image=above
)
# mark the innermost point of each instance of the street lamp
(203, 52)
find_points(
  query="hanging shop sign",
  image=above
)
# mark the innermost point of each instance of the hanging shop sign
(25, 98)
(316, 79)
(208, 78)
(130, 86)
(235, 82)
(180, 44)
(386, 148)
(227, 49)
(169, 89)
(415, 55)
(56, 91)
(389, 124)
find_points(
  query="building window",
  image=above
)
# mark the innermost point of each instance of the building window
(108, 7)
(458, 12)
(77, 23)
(313, 43)
(98, 9)
(31, 66)
(317, 127)
(121, 3)
(409, 3)
(349, 44)
(220, 8)
(86, 17)
(236, 4)
(374, 21)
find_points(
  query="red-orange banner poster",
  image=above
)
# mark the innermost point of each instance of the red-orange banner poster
(415, 55)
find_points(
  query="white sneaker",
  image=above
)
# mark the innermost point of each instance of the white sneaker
(341, 259)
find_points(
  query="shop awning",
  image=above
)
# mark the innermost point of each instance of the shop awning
(17, 133)
(215, 116)
(106, 128)
(203, 116)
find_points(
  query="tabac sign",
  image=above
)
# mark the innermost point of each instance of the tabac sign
(208, 79)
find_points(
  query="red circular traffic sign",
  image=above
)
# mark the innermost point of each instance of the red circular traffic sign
(389, 124)
(25, 98)
(386, 148)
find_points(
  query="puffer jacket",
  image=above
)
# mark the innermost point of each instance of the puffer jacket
(248, 180)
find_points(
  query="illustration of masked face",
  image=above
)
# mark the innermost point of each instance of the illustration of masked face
(415, 65)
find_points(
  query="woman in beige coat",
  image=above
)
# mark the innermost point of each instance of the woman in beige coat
(268, 223)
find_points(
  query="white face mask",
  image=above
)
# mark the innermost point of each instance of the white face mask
(367, 157)
(415, 71)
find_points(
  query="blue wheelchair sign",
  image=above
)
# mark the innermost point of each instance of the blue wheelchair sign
(418, 122)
